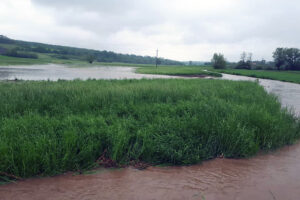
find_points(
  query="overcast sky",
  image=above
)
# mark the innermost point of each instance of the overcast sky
(180, 29)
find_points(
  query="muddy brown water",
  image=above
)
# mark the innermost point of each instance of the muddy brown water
(271, 176)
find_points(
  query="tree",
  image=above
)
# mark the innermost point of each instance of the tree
(292, 56)
(243, 57)
(91, 58)
(218, 61)
(279, 57)
(158, 61)
(245, 62)
(249, 58)
(289, 58)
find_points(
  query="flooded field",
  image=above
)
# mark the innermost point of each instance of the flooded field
(265, 177)
(54, 72)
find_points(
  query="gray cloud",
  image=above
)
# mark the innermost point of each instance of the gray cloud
(182, 30)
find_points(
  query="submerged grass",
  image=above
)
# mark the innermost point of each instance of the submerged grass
(48, 128)
(177, 71)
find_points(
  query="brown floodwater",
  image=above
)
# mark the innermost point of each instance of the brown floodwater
(266, 177)
(271, 176)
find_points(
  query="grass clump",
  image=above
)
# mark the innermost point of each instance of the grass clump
(177, 71)
(48, 128)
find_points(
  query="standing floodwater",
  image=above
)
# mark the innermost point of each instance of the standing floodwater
(271, 176)
(261, 178)
(55, 72)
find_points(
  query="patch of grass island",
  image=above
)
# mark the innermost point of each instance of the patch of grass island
(47, 128)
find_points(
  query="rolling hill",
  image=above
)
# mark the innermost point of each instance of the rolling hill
(42, 53)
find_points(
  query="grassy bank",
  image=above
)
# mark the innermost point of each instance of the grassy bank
(177, 71)
(288, 76)
(48, 128)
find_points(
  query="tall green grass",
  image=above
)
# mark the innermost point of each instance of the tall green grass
(48, 128)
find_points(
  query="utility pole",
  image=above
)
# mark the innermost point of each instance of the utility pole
(156, 60)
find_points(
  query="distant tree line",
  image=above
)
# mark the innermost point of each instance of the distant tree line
(14, 53)
(284, 59)
(287, 58)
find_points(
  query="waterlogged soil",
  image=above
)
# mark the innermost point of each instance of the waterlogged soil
(271, 176)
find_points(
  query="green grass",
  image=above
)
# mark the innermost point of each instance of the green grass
(288, 76)
(48, 128)
(177, 71)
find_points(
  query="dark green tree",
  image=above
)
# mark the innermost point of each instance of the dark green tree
(245, 62)
(157, 61)
(279, 57)
(218, 61)
(292, 56)
(288, 58)
(91, 58)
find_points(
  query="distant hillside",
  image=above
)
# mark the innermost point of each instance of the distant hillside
(34, 50)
